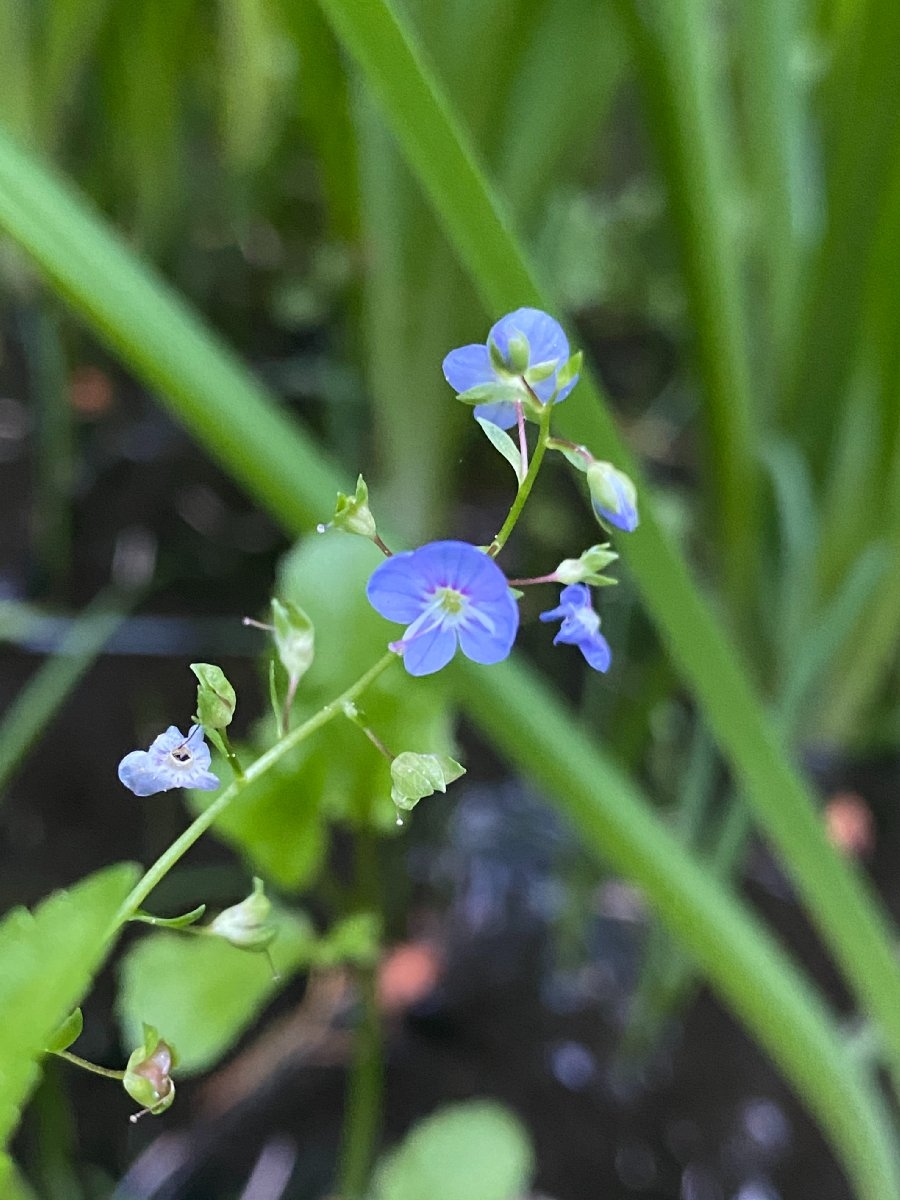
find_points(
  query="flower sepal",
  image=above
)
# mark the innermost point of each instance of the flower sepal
(493, 393)
(589, 567)
(216, 699)
(294, 638)
(415, 776)
(147, 1074)
(352, 513)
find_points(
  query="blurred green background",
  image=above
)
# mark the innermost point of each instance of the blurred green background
(708, 194)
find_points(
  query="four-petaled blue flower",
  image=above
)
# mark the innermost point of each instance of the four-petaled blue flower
(580, 625)
(447, 593)
(471, 366)
(172, 761)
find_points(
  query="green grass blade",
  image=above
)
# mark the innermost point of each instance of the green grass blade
(841, 904)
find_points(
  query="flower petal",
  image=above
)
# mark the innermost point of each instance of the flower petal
(139, 774)
(596, 652)
(502, 414)
(491, 643)
(397, 588)
(546, 339)
(430, 651)
(468, 367)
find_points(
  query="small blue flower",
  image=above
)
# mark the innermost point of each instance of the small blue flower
(448, 594)
(172, 761)
(580, 625)
(613, 496)
(471, 366)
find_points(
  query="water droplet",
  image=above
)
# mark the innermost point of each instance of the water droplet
(320, 528)
(399, 820)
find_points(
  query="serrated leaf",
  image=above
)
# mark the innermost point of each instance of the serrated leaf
(47, 961)
(501, 441)
(182, 922)
(476, 1149)
(66, 1033)
(203, 992)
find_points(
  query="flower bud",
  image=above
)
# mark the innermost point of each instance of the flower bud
(352, 513)
(216, 700)
(415, 776)
(147, 1079)
(613, 496)
(294, 638)
(587, 568)
(247, 925)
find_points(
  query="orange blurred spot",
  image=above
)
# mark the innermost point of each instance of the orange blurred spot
(407, 974)
(848, 820)
(90, 391)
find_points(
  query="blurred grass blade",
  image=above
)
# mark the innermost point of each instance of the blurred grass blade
(676, 60)
(841, 904)
(47, 690)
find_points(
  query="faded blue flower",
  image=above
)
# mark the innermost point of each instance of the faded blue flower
(447, 594)
(471, 366)
(172, 761)
(613, 496)
(580, 625)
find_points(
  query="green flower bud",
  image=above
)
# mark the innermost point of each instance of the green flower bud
(147, 1074)
(294, 638)
(247, 925)
(352, 513)
(216, 700)
(587, 568)
(415, 776)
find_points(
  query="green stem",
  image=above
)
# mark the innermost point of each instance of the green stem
(167, 860)
(527, 483)
(106, 1072)
(353, 715)
(233, 761)
(362, 1117)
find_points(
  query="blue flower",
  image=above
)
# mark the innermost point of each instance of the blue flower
(580, 625)
(447, 594)
(613, 496)
(172, 761)
(471, 366)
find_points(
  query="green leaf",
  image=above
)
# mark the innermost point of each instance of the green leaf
(475, 1149)
(182, 922)
(501, 441)
(66, 1033)
(202, 992)
(47, 961)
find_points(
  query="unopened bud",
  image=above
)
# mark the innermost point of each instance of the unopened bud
(588, 568)
(216, 700)
(294, 638)
(247, 925)
(352, 513)
(613, 496)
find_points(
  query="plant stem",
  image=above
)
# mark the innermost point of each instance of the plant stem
(385, 550)
(362, 1116)
(523, 440)
(526, 485)
(198, 827)
(233, 761)
(106, 1072)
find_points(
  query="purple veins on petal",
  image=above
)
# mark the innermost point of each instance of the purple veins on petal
(580, 626)
(172, 761)
(448, 594)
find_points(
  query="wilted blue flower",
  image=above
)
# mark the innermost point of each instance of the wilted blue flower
(613, 496)
(580, 625)
(471, 366)
(447, 593)
(172, 761)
